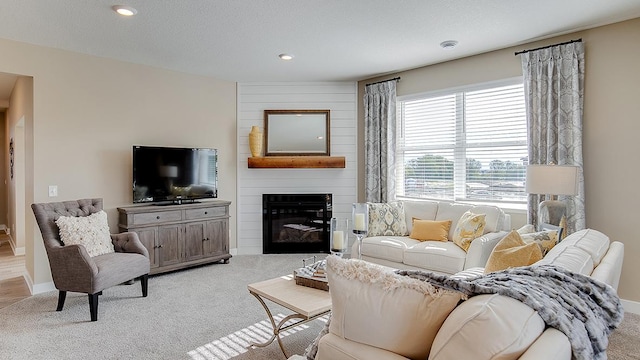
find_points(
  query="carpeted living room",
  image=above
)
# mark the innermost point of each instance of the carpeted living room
(176, 175)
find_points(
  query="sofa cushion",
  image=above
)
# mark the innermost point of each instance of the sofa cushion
(423, 230)
(453, 212)
(387, 247)
(442, 256)
(487, 327)
(469, 227)
(91, 231)
(494, 217)
(332, 347)
(387, 219)
(401, 314)
(592, 241)
(569, 257)
(419, 209)
(512, 251)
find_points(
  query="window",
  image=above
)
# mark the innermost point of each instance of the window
(467, 144)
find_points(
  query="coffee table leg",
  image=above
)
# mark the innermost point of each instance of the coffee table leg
(277, 328)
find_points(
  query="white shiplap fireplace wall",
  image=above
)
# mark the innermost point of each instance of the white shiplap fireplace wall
(253, 99)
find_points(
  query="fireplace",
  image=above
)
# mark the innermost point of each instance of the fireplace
(295, 223)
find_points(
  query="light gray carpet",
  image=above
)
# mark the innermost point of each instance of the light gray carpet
(200, 313)
(185, 310)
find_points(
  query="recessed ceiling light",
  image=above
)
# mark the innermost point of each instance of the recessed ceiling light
(285, 56)
(449, 44)
(124, 10)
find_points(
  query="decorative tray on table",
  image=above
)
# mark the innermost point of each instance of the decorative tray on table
(313, 275)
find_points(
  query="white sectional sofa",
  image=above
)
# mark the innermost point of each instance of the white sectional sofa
(483, 327)
(402, 252)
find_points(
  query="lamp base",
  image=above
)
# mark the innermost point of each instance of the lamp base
(551, 212)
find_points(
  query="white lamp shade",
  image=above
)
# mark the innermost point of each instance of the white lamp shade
(552, 179)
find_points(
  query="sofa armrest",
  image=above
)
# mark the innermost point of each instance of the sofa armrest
(551, 344)
(481, 248)
(128, 242)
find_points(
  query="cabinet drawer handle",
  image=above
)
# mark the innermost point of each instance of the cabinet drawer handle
(205, 213)
(158, 217)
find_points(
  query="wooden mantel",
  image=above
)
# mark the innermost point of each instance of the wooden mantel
(299, 162)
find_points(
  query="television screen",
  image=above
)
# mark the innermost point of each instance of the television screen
(176, 175)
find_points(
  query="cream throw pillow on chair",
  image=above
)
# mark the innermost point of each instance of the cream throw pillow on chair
(91, 231)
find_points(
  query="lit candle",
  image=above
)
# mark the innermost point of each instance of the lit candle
(338, 240)
(358, 222)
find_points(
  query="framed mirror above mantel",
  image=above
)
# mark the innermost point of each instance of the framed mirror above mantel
(297, 133)
(297, 139)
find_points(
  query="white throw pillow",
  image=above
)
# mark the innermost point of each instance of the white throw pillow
(374, 306)
(91, 231)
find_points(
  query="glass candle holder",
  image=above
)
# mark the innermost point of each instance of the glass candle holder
(339, 236)
(360, 222)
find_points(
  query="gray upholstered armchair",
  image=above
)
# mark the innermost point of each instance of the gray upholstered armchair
(71, 266)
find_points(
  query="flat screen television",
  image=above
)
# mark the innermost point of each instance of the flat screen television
(174, 175)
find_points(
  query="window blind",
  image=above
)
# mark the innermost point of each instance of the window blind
(467, 144)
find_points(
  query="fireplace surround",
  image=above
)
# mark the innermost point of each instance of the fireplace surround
(296, 223)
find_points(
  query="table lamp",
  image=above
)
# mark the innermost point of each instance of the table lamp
(552, 180)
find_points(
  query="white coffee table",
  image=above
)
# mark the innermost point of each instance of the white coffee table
(306, 303)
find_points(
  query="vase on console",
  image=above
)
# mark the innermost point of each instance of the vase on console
(255, 141)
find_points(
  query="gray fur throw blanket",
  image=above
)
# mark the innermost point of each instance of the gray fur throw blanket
(584, 309)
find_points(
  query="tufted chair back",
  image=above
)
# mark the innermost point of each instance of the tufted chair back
(47, 213)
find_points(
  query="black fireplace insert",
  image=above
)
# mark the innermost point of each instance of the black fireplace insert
(295, 223)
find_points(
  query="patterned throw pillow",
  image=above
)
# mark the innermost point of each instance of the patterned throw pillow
(512, 251)
(387, 219)
(545, 239)
(91, 231)
(469, 227)
(424, 230)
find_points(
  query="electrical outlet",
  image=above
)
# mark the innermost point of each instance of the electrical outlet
(53, 190)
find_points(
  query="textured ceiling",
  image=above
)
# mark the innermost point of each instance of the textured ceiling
(332, 40)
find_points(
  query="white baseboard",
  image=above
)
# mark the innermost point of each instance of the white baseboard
(631, 306)
(233, 251)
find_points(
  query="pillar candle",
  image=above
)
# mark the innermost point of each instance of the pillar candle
(358, 222)
(338, 240)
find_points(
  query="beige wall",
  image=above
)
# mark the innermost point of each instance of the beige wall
(4, 173)
(611, 108)
(87, 114)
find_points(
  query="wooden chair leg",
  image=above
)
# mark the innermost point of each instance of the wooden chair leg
(93, 306)
(144, 281)
(62, 295)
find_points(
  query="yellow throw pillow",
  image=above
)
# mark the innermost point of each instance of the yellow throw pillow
(512, 251)
(424, 230)
(469, 227)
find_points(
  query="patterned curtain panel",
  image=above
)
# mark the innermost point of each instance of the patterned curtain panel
(379, 137)
(554, 91)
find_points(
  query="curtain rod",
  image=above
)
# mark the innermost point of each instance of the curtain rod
(544, 47)
(380, 82)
